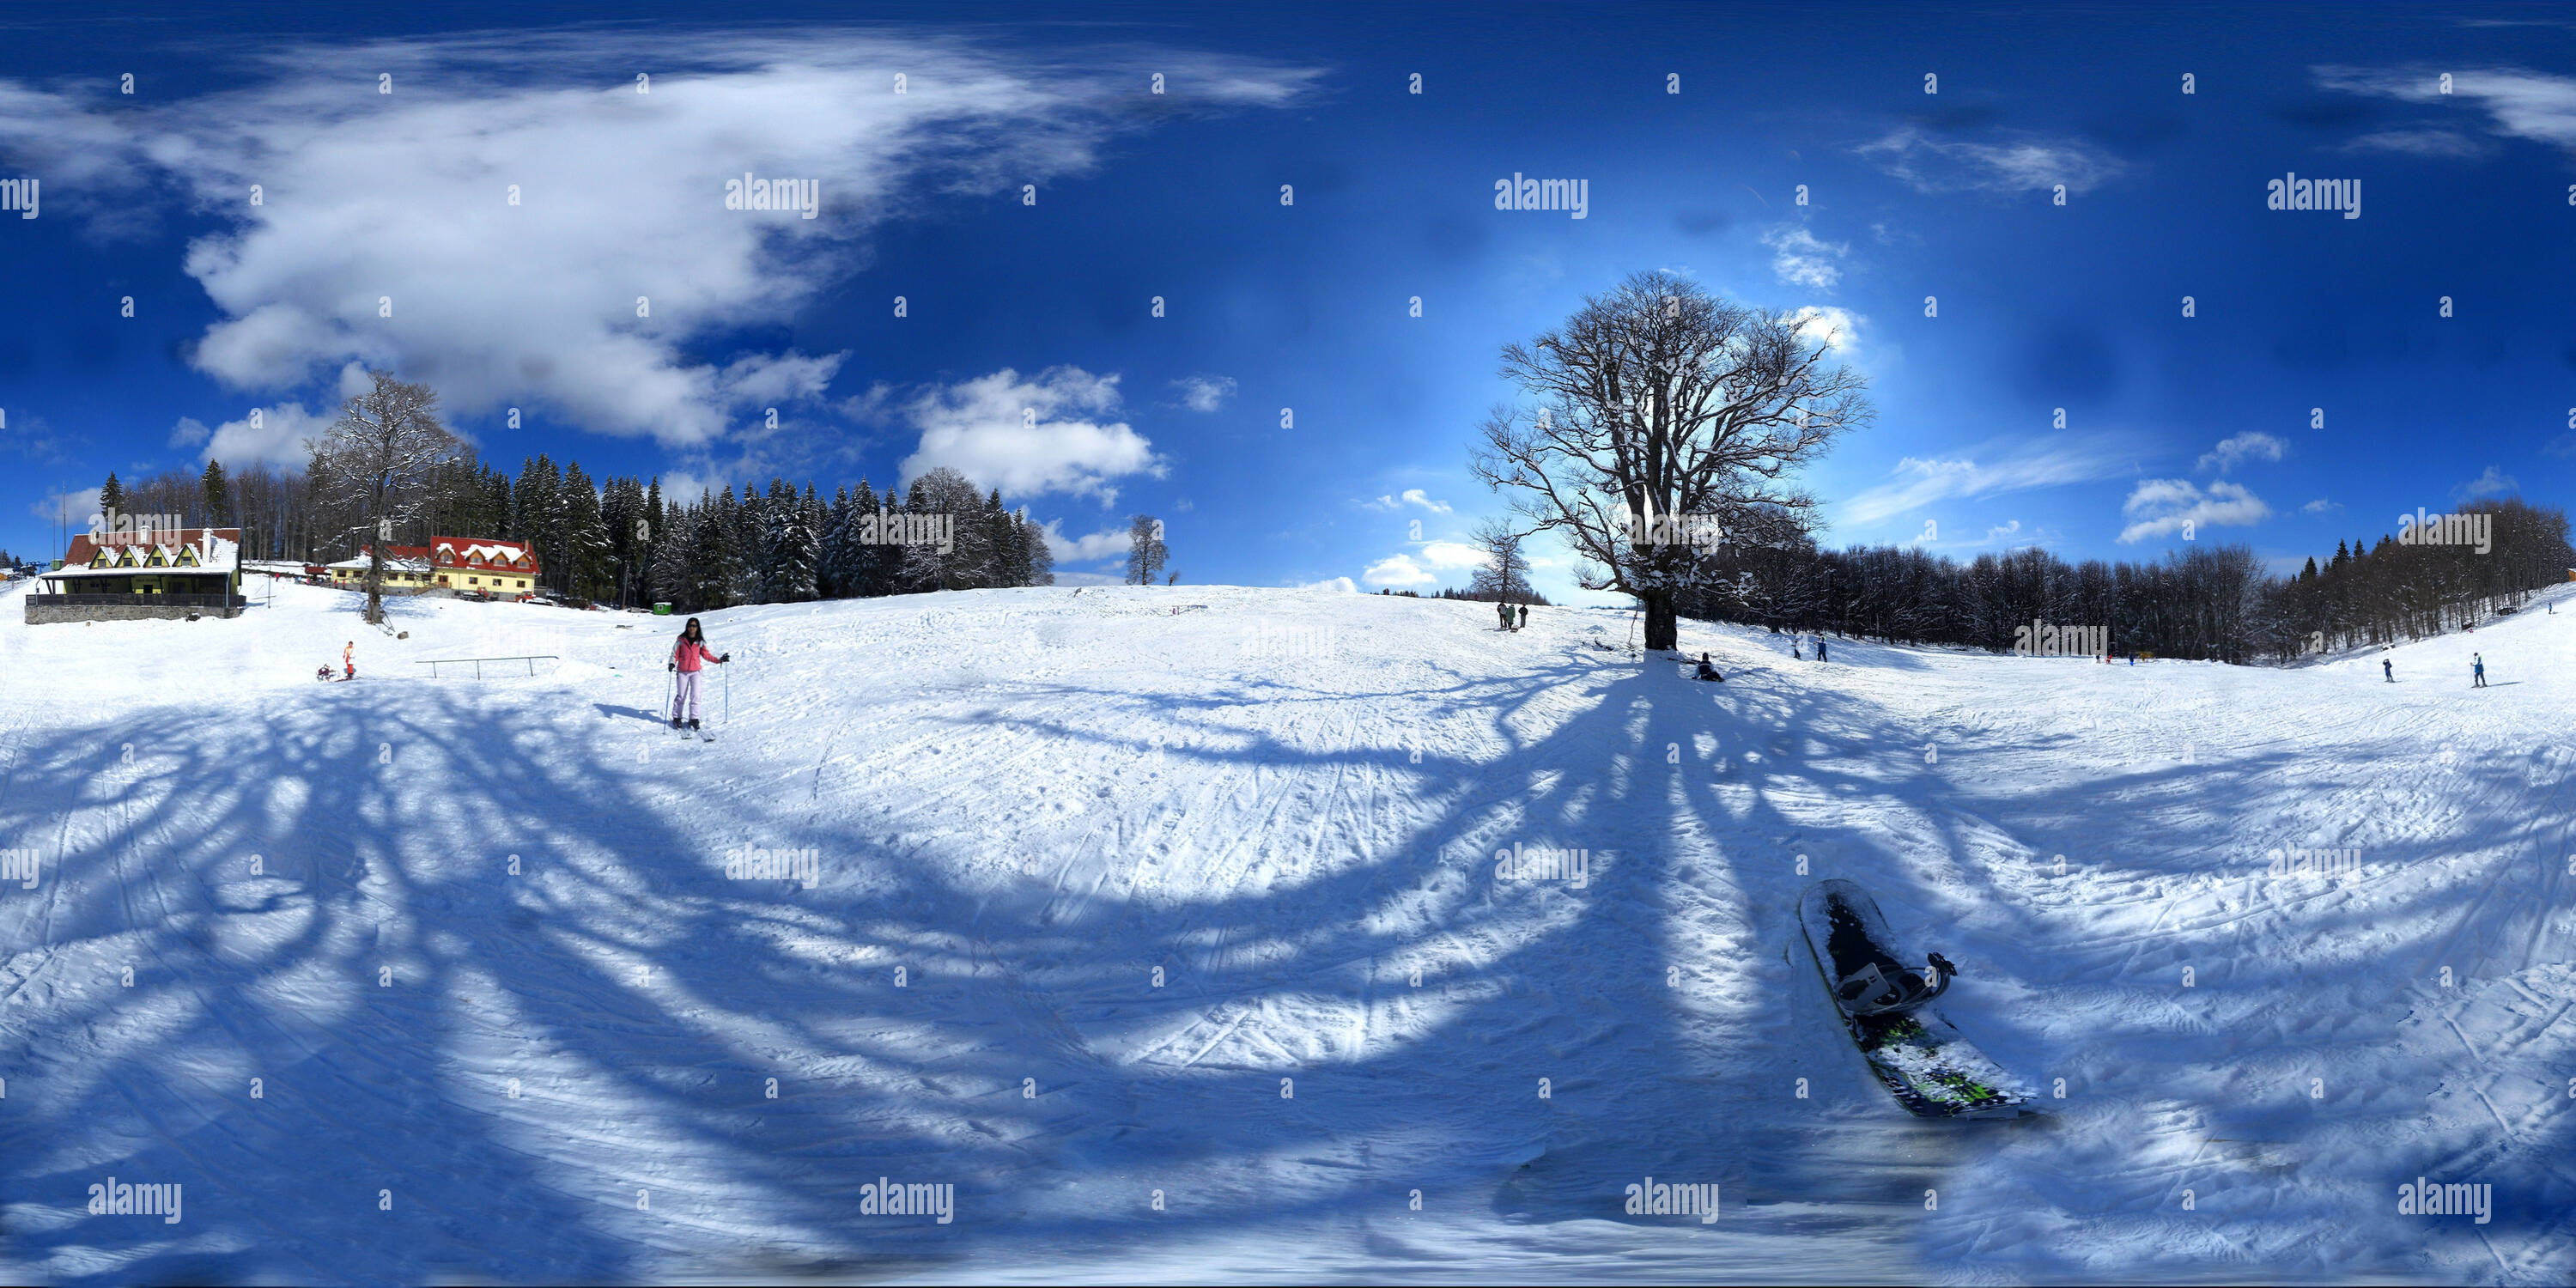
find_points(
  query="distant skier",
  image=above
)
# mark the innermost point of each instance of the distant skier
(688, 656)
(1524, 616)
(2387, 670)
(1820, 647)
(1795, 643)
(2477, 671)
(1708, 672)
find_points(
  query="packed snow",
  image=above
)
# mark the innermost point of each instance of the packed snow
(1163, 928)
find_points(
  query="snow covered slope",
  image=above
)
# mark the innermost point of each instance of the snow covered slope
(1165, 926)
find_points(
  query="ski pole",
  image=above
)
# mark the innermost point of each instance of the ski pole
(728, 696)
(667, 681)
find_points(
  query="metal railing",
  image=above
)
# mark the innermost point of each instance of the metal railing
(131, 600)
(477, 662)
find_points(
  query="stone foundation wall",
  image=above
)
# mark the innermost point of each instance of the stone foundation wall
(39, 614)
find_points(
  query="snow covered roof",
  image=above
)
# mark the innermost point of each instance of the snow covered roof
(404, 559)
(483, 551)
(182, 550)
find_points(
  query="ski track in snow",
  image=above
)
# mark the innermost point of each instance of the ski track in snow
(1028, 801)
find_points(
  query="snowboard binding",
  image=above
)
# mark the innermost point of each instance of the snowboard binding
(1870, 991)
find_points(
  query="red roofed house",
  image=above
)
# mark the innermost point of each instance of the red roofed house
(494, 567)
(161, 572)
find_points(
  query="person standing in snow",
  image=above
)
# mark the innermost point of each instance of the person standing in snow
(2388, 670)
(2477, 671)
(349, 660)
(1503, 611)
(1820, 647)
(1796, 644)
(1524, 616)
(688, 657)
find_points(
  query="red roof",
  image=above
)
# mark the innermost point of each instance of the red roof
(484, 552)
(84, 548)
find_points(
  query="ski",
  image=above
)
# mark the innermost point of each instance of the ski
(1918, 1055)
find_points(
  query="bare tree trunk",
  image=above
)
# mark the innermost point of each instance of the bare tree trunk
(1663, 625)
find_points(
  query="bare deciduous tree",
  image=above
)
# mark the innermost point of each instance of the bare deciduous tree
(1505, 573)
(374, 463)
(1146, 553)
(1655, 402)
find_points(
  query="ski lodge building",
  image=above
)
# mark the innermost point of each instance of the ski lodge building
(467, 565)
(123, 576)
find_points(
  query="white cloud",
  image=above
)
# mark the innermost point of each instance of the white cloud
(2045, 463)
(2020, 163)
(1452, 554)
(189, 432)
(77, 505)
(277, 437)
(1838, 328)
(2518, 104)
(2494, 482)
(2320, 506)
(1110, 543)
(1204, 393)
(2160, 507)
(1801, 259)
(405, 196)
(2248, 446)
(1410, 496)
(982, 428)
(2421, 143)
(1397, 570)
(1330, 583)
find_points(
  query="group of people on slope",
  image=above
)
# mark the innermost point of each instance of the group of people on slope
(2477, 670)
(1504, 610)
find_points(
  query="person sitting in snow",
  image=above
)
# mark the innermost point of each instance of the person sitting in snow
(1707, 672)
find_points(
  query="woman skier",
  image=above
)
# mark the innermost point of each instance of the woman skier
(688, 656)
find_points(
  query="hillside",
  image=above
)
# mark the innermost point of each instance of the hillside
(1289, 803)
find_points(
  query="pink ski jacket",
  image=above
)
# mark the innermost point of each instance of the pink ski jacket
(691, 654)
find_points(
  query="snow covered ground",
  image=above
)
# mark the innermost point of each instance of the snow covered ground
(1367, 1057)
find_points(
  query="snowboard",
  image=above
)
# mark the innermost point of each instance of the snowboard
(1918, 1054)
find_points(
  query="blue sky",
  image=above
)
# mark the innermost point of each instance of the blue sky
(367, 197)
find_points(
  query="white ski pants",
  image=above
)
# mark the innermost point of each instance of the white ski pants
(684, 695)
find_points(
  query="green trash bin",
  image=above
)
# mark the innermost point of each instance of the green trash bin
(662, 608)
